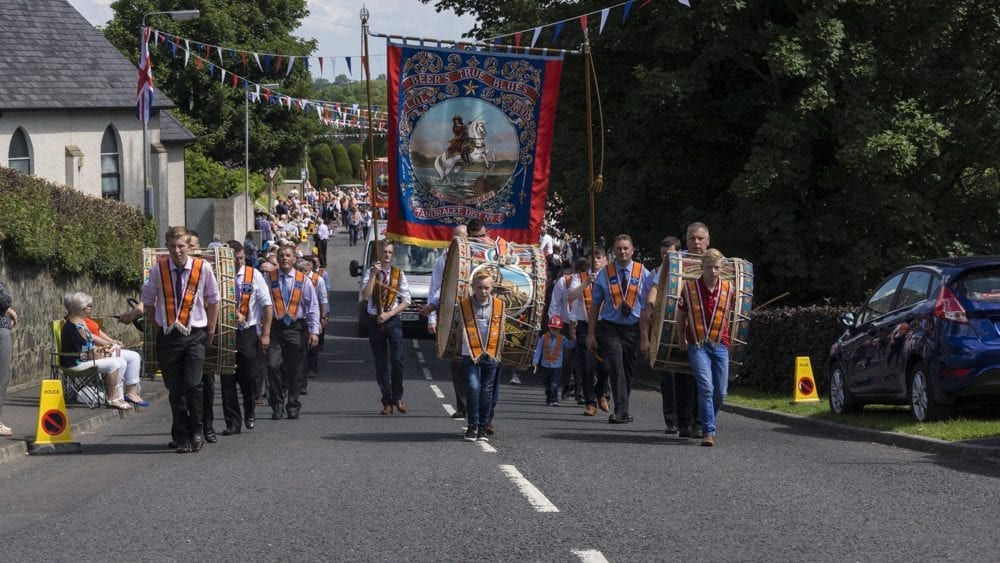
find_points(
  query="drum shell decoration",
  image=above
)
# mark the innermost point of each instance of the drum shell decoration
(221, 358)
(664, 350)
(519, 281)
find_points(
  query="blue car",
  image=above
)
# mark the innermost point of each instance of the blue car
(929, 336)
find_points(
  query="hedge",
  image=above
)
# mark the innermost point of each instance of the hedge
(778, 335)
(72, 233)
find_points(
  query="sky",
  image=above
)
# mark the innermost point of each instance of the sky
(336, 25)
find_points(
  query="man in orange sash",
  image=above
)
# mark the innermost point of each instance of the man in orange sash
(482, 345)
(182, 298)
(253, 335)
(296, 314)
(388, 285)
(613, 325)
(707, 305)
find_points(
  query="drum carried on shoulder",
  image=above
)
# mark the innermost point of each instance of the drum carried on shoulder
(518, 272)
(664, 352)
(221, 358)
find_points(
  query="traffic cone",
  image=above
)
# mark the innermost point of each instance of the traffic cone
(53, 435)
(805, 385)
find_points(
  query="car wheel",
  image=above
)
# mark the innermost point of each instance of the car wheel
(841, 399)
(922, 403)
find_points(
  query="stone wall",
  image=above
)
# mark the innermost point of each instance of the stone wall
(38, 301)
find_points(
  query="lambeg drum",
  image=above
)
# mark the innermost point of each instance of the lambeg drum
(221, 358)
(518, 272)
(665, 353)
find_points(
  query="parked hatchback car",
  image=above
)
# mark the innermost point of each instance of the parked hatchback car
(929, 336)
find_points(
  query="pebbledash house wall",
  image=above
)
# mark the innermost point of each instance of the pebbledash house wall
(65, 148)
(37, 298)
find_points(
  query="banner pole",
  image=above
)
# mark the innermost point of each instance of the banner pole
(590, 149)
(370, 164)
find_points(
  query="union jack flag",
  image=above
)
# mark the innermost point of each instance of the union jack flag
(144, 93)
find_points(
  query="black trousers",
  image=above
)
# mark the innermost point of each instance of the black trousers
(245, 376)
(182, 360)
(460, 382)
(617, 345)
(322, 251)
(591, 373)
(678, 390)
(387, 347)
(284, 365)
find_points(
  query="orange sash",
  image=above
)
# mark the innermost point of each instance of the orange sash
(707, 325)
(284, 311)
(246, 291)
(553, 354)
(179, 317)
(472, 330)
(615, 286)
(587, 291)
(390, 291)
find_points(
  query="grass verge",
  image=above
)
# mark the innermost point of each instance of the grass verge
(966, 425)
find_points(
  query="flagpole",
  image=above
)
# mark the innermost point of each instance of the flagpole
(370, 164)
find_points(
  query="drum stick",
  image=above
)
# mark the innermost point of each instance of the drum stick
(766, 303)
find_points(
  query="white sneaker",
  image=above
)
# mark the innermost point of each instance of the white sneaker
(5, 430)
(515, 380)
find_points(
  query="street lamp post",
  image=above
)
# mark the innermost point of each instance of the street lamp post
(246, 151)
(147, 187)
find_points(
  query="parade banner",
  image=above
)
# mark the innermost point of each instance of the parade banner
(470, 134)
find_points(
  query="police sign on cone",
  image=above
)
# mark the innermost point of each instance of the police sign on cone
(805, 385)
(53, 434)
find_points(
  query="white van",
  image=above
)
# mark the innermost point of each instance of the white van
(416, 262)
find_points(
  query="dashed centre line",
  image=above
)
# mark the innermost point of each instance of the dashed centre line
(534, 496)
(420, 357)
(437, 392)
(427, 374)
(590, 555)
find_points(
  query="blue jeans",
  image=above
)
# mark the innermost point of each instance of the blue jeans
(551, 378)
(710, 364)
(479, 401)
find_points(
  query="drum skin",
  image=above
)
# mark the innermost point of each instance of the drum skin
(664, 351)
(221, 358)
(518, 280)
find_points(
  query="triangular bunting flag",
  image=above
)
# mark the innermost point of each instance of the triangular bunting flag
(349, 70)
(604, 19)
(534, 38)
(187, 52)
(277, 65)
(243, 55)
(555, 34)
(211, 70)
(267, 63)
(685, 2)
(628, 6)
(256, 57)
(197, 62)
(291, 61)
(583, 23)
(320, 66)
(517, 39)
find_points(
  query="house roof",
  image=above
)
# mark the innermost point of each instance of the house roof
(172, 131)
(51, 57)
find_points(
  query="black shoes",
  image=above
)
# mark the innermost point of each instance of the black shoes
(210, 436)
(620, 419)
(232, 430)
(197, 443)
(458, 414)
(671, 428)
(171, 445)
(470, 434)
(276, 415)
(481, 435)
(250, 422)
(684, 433)
(293, 415)
(183, 447)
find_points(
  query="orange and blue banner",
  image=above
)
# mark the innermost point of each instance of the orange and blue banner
(470, 136)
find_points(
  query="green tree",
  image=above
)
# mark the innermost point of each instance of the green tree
(354, 153)
(344, 171)
(323, 162)
(827, 141)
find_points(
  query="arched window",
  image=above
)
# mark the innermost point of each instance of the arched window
(110, 157)
(18, 156)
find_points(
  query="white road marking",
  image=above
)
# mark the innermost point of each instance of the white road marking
(416, 343)
(590, 556)
(486, 447)
(427, 374)
(420, 357)
(437, 392)
(448, 409)
(534, 496)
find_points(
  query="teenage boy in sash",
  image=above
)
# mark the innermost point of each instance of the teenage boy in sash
(613, 325)
(296, 314)
(253, 336)
(311, 368)
(388, 285)
(430, 311)
(592, 374)
(182, 298)
(707, 304)
(482, 345)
